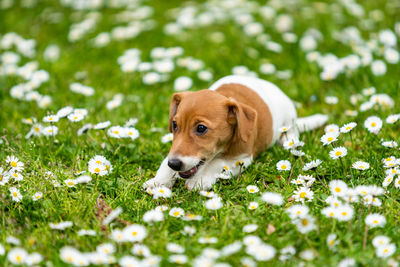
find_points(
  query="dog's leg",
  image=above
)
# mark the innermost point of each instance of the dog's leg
(165, 176)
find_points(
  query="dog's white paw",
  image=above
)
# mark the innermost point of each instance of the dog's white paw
(152, 183)
(198, 184)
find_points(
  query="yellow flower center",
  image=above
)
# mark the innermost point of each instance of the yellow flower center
(284, 167)
(37, 129)
(251, 190)
(303, 194)
(176, 213)
(253, 207)
(373, 124)
(386, 250)
(15, 194)
(116, 132)
(338, 153)
(15, 174)
(291, 144)
(332, 242)
(50, 131)
(298, 212)
(76, 117)
(37, 196)
(375, 221)
(337, 189)
(98, 161)
(50, 119)
(304, 222)
(331, 214)
(97, 170)
(161, 191)
(13, 164)
(348, 128)
(226, 167)
(70, 183)
(344, 213)
(330, 139)
(389, 179)
(134, 233)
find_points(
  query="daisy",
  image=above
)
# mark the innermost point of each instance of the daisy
(302, 194)
(373, 124)
(208, 194)
(117, 235)
(64, 112)
(333, 201)
(297, 211)
(252, 189)
(375, 220)
(167, 138)
(208, 240)
(312, 165)
(360, 165)
(251, 240)
(283, 165)
(189, 230)
(116, 132)
(330, 212)
(388, 180)
(70, 182)
(50, 131)
(289, 144)
(272, 198)
(338, 188)
(329, 138)
(250, 228)
(397, 182)
(306, 224)
(34, 259)
(284, 129)
(331, 128)
(14, 163)
(392, 118)
(176, 212)
(261, 252)
(16, 176)
(102, 125)
(179, 259)
(348, 127)
(298, 181)
(338, 152)
(69, 254)
(17, 256)
(51, 118)
(380, 240)
(385, 251)
(99, 169)
(175, 248)
(134, 233)
(15, 194)
(253, 205)
(230, 249)
(75, 117)
(4, 177)
(344, 213)
(132, 133)
(332, 242)
(192, 217)
(163, 192)
(390, 144)
(140, 250)
(153, 216)
(213, 203)
(106, 248)
(61, 225)
(37, 196)
(307, 254)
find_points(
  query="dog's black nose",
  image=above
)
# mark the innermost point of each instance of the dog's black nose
(175, 164)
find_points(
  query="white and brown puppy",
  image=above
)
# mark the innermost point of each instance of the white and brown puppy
(231, 123)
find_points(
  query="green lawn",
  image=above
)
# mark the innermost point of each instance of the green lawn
(220, 35)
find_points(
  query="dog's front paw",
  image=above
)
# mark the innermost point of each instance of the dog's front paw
(198, 184)
(152, 183)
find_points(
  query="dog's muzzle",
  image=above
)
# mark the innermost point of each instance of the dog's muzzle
(191, 172)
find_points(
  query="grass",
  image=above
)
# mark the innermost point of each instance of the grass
(137, 161)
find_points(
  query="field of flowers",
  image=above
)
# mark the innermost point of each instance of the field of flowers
(85, 87)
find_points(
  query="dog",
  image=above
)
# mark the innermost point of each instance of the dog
(220, 130)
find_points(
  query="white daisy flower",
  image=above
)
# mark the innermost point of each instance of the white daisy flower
(176, 212)
(360, 165)
(338, 188)
(284, 129)
(390, 144)
(306, 224)
(167, 138)
(283, 165)
(134, 233)
(50, 131)
(102, 125)
(387, 181)
(61, 225)
(14, 163)
(252, 189)
(392, 118)
(51, 118)
(344, 213)
(116, 132)
(17, 256)
(329, 138)
(380, 240)
(106, 248)
(131, 132)
(332, 241)
(330, 212)
(272, 198)
(312, 165)
(179, 259)
(373, 124)
(208, 240)
(162, 192)
(331, 128)
(385, 251)
(175, 248)
(250, 228)
(297, 211)
(213, 203)
(37, 196)
(75, 117)
(208, 194)
(183, 83)
(303, 194)
(338, 152)
(70, 182)
(348, 127)
(253, 206)
(15, 194)
(153, 216)
(375, 220)
(140, 250)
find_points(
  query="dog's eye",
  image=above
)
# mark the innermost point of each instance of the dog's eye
(174, 126)
(201, 129)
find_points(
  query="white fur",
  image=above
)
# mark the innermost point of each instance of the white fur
(311, 122)
(165, 176)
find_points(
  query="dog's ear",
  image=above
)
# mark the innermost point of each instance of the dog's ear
(243, 116)
(173, 107)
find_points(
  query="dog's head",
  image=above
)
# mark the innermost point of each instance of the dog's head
(204, 124)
